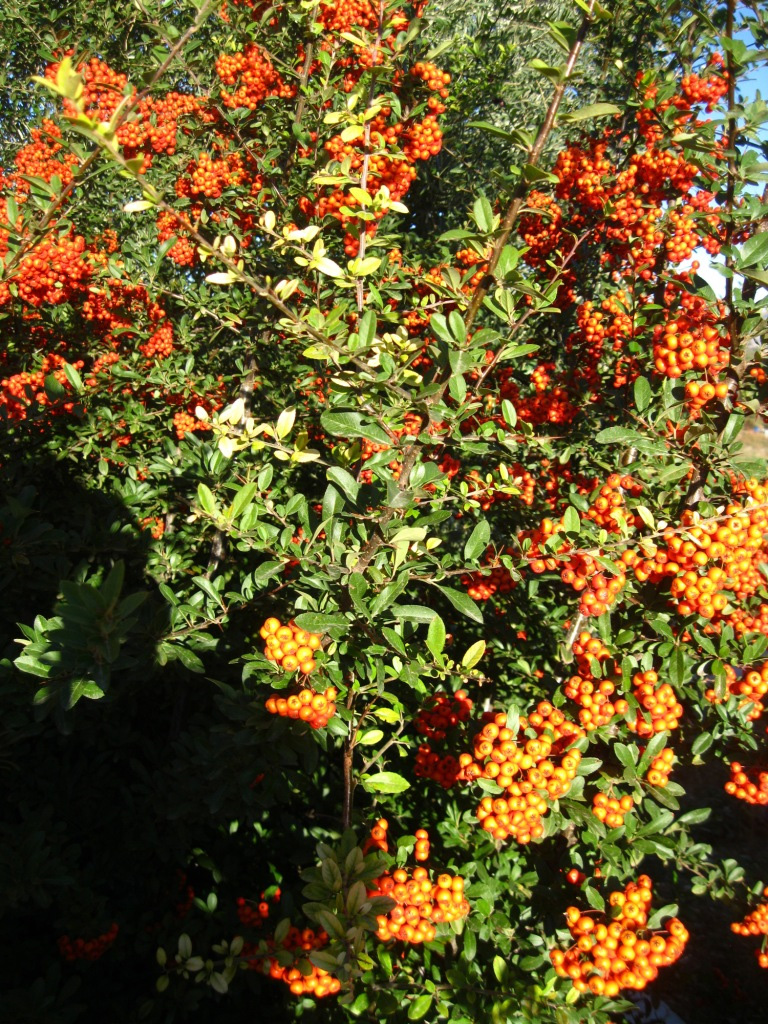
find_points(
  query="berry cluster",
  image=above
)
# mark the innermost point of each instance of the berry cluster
(253, 915)
(594, 697)
(316, 709)
(661, 703)
(743, 788)
(421, 852)
(439, 716)
(441, 713)
(251, 77)
(302, 977)
(711, 562)
(755, 923)
(87, 949)
(608, 956)
(535, 766)
(608, 507)
(289, 647)
(581, 570)
(750, 688)
(660, 768)
(687, 344)
(420, 904)
(611, 810)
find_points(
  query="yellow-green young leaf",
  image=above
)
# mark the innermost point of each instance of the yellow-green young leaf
(409, 534)
(327, 267)
(351, 132)
(388, 715)
(137, 206)
(68, 82)
(221, 277)
(646, 516)
(360, 195)
(285, 422)
(361, 268)
(473, 654)
(371, 737)
(318, 352)
(51, 86)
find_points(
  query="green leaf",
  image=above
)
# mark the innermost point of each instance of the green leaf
(754, 252)
(385, 782)
(552, 73)
(207, 500)
(366, 329)
(420, 1007)
(482, 212)
(516, 137)
(626, 755)
(702, 743)
(208, 588)
(54, 389)
(73, 377)
(532, 174)
(242, 499)
(319, 622)
(477, 541)
(463, 603)
(572, 520)
(642, 393)
(413, 612)
(594, 898)
(266, 571)
(436, 636)
(694, 817)
(350, 424)
(733, 426)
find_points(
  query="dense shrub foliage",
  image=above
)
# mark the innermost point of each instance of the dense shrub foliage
(380, 559)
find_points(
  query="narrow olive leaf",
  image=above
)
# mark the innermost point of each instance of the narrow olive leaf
(592, 110)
